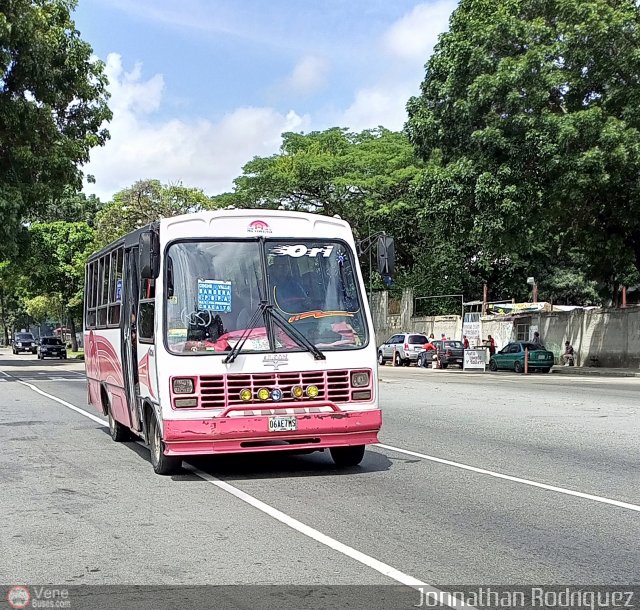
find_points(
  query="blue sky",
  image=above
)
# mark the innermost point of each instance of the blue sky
(201, 86)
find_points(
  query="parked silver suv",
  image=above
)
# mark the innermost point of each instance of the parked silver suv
(406, 347)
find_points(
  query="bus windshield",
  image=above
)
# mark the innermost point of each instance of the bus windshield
(214, 288)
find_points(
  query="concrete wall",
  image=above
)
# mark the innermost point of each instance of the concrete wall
(386, 324)
(601, 337)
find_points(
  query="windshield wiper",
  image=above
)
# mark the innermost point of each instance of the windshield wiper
(283, 323)
(293, 332)
(253, 322)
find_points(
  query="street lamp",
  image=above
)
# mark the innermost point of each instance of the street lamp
(385, 256)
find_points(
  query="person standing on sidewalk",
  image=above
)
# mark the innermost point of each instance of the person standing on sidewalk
(492, 345)
(569, 354)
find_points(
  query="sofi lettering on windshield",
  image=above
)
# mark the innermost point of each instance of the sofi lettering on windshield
(299, 250)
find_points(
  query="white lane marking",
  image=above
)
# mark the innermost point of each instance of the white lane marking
(507, 477)
(379, 566)
(64, 403)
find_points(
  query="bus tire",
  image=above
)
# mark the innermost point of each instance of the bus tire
(345, 457)
(118, 432)
(162, 464)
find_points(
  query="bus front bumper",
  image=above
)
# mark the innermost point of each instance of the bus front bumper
(251, 434)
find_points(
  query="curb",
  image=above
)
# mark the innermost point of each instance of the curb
(594, 372)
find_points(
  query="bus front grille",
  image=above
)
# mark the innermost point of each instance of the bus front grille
(220, 391)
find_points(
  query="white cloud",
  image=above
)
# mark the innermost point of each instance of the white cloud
(378, 105)
(407, 45)
(308, 76)
(197, 152)
(413, 36)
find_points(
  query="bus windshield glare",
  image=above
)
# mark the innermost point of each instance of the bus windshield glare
(213, 289)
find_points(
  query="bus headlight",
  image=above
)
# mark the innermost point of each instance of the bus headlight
(246, 394)
(183, 385)
(360, 379)
(312, 391)
(264, 394)
(297, 391)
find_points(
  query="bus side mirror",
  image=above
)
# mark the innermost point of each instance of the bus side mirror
(386, 255)
(149, 255)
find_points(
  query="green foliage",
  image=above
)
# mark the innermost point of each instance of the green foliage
(71, 206)
(529, 121)
(52, 108)
(54, 266)
(44, 307)
(55, 261)
(366, 178)
(144, 202)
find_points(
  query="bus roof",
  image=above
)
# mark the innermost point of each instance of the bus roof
(242, 216)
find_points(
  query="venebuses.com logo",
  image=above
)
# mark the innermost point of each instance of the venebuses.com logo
(18, 597)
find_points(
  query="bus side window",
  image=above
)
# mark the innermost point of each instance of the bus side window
(146, 315)
(146, 311)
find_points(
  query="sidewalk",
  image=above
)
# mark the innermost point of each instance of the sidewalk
(594, 371)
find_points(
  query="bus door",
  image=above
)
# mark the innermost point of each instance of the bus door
(146, 353)
(130, 337)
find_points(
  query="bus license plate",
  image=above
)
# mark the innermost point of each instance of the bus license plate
(282, 424)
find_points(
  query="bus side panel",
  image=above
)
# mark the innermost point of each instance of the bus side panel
(104, 370)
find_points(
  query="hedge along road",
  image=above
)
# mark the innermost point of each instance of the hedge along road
(102, 516)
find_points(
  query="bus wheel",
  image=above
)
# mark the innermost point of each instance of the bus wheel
(119, 433)
(162, 464)
(344, 457)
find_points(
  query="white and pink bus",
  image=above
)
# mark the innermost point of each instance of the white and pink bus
(233, 331)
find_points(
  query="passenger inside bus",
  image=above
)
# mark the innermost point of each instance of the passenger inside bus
(288, 293)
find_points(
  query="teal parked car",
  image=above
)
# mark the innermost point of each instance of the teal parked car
(511, 357)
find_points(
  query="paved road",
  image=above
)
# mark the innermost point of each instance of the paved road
(79, 508)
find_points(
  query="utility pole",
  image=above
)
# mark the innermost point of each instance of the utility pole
(532, 282)
(485, 298)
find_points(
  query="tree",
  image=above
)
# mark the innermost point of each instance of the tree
(144, 202)
(53, 104)
(367, 178)
(44, 307)
(70, 206)
(11, 306)
(529, 120)
(54, 265)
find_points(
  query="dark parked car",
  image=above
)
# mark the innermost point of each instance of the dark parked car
(449, 352)
(24, 342)
(51, 347)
